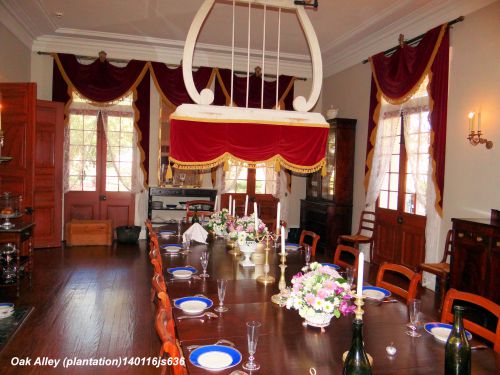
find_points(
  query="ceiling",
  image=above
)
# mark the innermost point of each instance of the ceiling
(348, 31)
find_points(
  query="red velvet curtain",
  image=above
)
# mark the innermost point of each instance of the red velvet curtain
(170, 82)
(396, 78)
(102, 82)
(223, 90)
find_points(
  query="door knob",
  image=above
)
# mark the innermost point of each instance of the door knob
(102, 197)
(400, 220)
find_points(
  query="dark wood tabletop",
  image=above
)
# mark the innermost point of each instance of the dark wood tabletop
(287, 347)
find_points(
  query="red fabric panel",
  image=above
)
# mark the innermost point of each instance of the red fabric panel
(101, 81)
(254, 95)
(142, 105)
(399, 73)
(199, 142)
(171, 82)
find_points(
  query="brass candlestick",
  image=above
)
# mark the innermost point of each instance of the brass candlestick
(280, 298)
(358, 301)
(266, 278)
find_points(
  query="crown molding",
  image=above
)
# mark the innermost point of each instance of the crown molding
(15, 26)
(170, 52)
(416, 23)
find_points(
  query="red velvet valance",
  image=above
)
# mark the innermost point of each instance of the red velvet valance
(203, 144)
(170, 82)
(396, 79)
(223, 91)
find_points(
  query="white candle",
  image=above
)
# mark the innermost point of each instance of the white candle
(234, 208)
(479, 121)
(282, 240)
(246, 205)
(230, 202)
(471, 122)
(361, 266)
(256, 217)
(278, 218)
(216, 203)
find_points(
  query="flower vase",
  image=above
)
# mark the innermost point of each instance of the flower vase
(315, 319)
(248, 248)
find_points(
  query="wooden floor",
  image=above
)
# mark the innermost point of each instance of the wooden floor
(93, 303)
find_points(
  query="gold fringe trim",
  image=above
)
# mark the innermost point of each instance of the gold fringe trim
(173, 116)
(227, 157)
(169, 174)
(406, 96)
(373, 138)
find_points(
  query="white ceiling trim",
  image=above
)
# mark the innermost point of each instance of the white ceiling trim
(411, 26)
(15, 26)
(205, 54)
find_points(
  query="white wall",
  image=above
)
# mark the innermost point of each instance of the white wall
(14, 58)
(41, 73)
(472, 176)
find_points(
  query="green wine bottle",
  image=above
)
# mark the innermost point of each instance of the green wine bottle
(356, 362)
(457, 355)
(195, 218)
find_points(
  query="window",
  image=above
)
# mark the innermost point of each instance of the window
(405, 183)
(240, 179)
(93, 132)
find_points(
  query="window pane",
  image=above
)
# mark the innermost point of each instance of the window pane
(383, 198)
(410, 183)
(127, 124)
(89, 183)
(409, 203)
(394, 163)
(111, 183)
(394, 178)
(241, 186)
(90, 122)
(393, 200)
(385, 184)
(113, 124)
(76, 122)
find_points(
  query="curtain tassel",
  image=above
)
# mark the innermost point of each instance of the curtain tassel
(226, 166)
(323, 170)
(169, 175)
(277, 165)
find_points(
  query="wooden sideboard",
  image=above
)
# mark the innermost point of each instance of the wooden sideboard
(475, 264)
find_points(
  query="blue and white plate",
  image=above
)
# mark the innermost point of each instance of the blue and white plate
(441, 331)
(215, 357)
(166, 233)
(6, 309)
(375, 292)
(334, 266)
(292, 246)
(172, 248)
(182, 272)
(193, 305)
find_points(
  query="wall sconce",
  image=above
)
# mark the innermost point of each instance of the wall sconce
(475, 137)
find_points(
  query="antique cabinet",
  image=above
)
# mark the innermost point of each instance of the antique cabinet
(327, 208)
(475, 263)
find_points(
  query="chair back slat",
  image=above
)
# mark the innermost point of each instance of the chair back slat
(413, 277)
(314, 240)
(343, 249)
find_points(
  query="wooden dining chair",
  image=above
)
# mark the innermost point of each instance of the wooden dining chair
(447, 314)
(164, 324)
(342, 252)
(365, 233)
(441, 269)
(149, 227)
(200, 207)
(158, 287)
(413, 278)
(314, 238)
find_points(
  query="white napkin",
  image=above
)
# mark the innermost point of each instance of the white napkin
(197, 233)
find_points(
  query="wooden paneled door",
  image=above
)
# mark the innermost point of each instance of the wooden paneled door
(92, 194)
(48, 166)
(400, 217)
(18, 125)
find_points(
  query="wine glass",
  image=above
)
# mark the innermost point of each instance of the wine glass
(221, 291)
(349, 276)
(179, 227)
(204, 263)
(308, 254)
(253, 338)
(182, 178)
(414, 312)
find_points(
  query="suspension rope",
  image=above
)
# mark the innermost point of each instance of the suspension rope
(278, 58)
(232, 60)
(263, 59)
(248, 51)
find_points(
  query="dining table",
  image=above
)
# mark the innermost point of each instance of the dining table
(285, 345)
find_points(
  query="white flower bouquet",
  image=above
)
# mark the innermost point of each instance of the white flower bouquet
(218, 222)
(243, 229)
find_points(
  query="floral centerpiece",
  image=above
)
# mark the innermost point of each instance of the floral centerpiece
(218, 222)
(243, 229)
(319, 295)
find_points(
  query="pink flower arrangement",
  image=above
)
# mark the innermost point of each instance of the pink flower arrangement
(321, 290)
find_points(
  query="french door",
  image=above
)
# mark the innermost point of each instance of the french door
(401, 220)
(100, 167)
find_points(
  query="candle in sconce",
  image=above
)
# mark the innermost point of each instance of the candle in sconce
(278, 218)
(256, 224)
(282, 240)
(471, 122)
(361, 266)
(246, 205)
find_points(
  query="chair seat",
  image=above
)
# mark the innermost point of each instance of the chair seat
(356, 238)
(440, 269)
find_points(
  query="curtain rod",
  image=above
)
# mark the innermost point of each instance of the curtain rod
(416, 39)
(83, 57)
